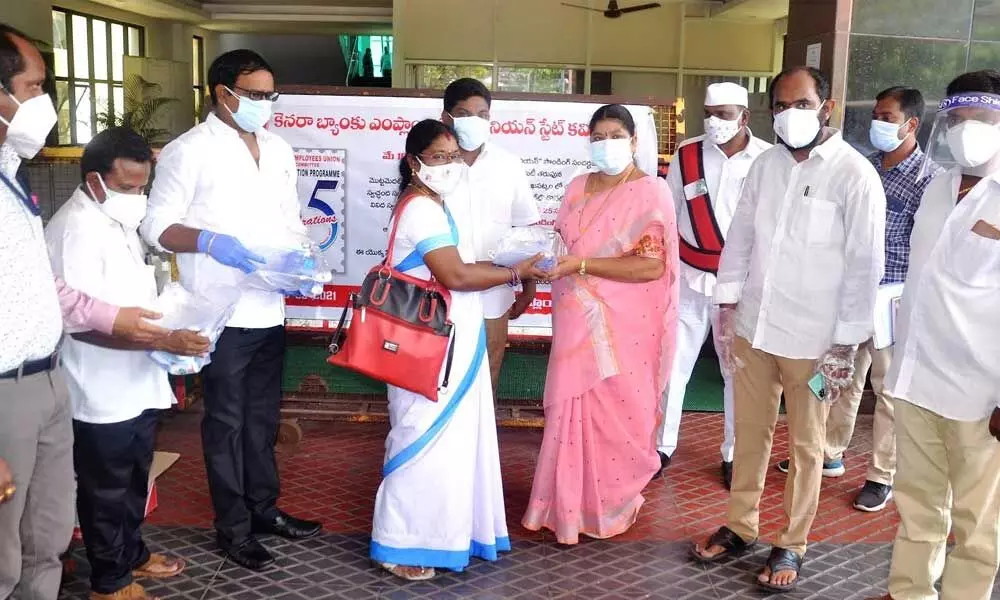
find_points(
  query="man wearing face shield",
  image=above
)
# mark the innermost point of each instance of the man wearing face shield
(36, 438)
(706, 180)
(945, 375)
(115, 388)
(796, 289)
(226, 186)
(495, 192)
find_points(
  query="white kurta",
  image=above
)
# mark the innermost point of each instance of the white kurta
(441, 499)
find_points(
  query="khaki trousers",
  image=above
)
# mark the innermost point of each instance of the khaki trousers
(758, 386)
(844, 413)
(36, 441)
(496, 346)
(948, 479)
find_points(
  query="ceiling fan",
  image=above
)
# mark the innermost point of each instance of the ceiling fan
(614, 11)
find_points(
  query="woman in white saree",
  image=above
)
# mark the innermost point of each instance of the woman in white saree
(441, 498)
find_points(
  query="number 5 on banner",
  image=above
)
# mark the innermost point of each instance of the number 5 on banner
(323, 185)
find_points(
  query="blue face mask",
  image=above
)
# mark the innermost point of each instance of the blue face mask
(885, 136)
(251, 115)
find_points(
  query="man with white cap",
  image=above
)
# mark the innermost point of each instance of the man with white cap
(706, 180)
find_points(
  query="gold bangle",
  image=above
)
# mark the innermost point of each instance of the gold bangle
(583, 268)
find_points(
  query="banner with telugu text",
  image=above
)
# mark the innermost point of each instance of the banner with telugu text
(348, 149)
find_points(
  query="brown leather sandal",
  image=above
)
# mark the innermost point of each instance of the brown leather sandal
(160, 566)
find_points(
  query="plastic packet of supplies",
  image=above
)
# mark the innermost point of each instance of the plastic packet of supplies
(295, 270)
(206, 312)
(521, 243)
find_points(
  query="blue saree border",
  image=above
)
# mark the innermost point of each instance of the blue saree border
(456, 560)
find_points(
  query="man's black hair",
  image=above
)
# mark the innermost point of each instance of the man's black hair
(987, 80)
(11, 61)
(106, 147)
(463, 89)
(911, 101)
(821, 81)
(228, 67)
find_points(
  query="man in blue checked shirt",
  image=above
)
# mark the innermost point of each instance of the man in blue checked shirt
(895, 123)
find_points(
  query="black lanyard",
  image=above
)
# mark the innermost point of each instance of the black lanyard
(22, 194)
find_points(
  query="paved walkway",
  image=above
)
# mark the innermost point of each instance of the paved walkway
(333, 474)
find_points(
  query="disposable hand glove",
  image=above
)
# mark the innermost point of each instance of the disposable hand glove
(837, 368)
(229, 251)
(726, 336)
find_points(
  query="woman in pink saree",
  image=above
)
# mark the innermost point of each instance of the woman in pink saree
(614, 319)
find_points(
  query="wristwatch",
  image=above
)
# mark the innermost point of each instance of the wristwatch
(583, 268)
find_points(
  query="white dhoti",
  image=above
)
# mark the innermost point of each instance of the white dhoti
(696, 317)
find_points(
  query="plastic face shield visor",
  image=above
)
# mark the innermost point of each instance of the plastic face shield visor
(966, 130)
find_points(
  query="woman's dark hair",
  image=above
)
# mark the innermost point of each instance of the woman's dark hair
(615, 112)
(419, 139)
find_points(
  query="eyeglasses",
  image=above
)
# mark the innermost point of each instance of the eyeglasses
(442, 158)
(256, 94)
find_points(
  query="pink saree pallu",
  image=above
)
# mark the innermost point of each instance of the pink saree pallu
(612, 347)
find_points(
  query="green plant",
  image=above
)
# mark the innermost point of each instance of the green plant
(143, 105)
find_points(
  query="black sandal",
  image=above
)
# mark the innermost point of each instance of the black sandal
(779, 560)
(733, 545)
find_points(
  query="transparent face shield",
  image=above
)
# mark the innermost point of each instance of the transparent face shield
(965, 134)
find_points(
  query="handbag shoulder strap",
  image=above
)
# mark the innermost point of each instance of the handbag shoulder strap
(401, 203)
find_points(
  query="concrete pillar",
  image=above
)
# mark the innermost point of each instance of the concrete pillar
(821, 27)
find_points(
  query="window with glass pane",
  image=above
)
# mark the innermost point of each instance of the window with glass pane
(197, 75)
(535, 79)
(90, 72)
(437, 77)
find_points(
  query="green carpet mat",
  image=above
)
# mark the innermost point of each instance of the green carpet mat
(522, 378)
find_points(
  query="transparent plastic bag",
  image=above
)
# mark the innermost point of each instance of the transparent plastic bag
(207, 313)
(299, 270)
(522, 243)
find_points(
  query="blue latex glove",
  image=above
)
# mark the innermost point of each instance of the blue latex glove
(229, 251)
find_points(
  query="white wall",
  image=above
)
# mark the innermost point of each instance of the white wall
(296, 59)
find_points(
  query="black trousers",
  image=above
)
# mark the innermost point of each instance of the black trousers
(242, 388)
(112, 473)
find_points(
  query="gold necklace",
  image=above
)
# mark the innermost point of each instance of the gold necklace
(607, 197)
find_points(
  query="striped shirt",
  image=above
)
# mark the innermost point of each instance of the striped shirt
(903, 189)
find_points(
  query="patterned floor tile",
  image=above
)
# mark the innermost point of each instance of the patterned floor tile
(332, 475)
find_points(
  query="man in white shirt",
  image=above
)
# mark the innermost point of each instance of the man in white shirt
(36, 436)
(497, 195)
(706, 181)
(221, 189)
(116, 390)
(796, 289)
(945, 375)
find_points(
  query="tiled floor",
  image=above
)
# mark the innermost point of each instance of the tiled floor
(332, 476)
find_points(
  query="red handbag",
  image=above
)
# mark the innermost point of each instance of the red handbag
(399, 333)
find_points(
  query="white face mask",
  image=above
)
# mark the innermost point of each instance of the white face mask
(127, 209)
(973, 143)
(441, 179)
(31, 124)
(720, 131)
(472, 132)
(797, 127)
(611, 157)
